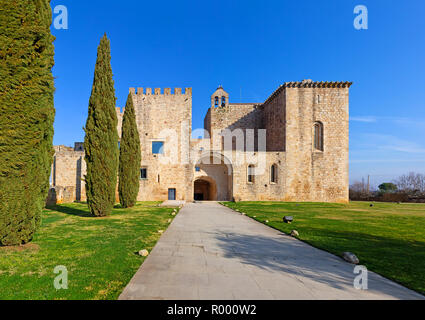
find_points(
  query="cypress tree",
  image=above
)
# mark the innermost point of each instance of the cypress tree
(130, 156)
(101, 140)
(26, 116)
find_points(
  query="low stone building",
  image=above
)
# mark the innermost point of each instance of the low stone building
(292, 147)
(67, 175)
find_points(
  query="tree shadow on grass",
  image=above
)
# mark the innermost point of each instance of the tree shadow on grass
(71, 211)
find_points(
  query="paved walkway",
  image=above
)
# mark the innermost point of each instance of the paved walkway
(212, 252)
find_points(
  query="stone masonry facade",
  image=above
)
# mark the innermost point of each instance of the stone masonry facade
(292, 147)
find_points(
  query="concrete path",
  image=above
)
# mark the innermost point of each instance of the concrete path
(212, 252)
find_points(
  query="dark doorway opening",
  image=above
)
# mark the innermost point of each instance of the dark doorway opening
(199, 197)
(205, 190)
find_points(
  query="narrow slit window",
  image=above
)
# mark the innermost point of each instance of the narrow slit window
(318, 136)
(273, 174)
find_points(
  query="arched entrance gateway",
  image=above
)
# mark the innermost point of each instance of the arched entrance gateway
(213, 178)
(205, 189)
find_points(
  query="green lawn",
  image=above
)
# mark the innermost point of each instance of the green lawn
(99, 253)
(388, 238)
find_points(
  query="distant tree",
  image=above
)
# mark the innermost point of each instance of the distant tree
(357, 190)
(412, 182)
(387, 187)
(358, 186)
(101, 140)
(130, 156)
(26, 116)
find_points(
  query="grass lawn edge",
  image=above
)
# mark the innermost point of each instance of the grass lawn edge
(339, 255)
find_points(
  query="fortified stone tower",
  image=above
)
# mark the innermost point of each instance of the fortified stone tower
(309, 122)
(164, 121)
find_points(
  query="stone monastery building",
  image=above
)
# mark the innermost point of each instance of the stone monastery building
(292, 147)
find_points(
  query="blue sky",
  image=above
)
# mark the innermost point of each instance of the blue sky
(251, 47)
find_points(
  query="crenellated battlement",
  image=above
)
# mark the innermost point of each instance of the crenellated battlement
(159, 91)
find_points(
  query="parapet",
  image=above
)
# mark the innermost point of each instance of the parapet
(158, 91)
(309, 84)
(63, 148)
(315, 84)
(77, 150)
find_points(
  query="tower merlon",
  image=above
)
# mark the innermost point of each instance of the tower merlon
(119, 110)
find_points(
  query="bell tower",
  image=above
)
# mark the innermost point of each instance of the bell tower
(219, 98)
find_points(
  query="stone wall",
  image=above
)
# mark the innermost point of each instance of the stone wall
(233, 117)
(58, 195)
(275, 122)
(68, 171)
(120, 115)
(262, 189)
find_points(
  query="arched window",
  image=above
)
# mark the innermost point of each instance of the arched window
(318, 136)
(216, 101)
(251, 173)
(273, 173)
(223, 101)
